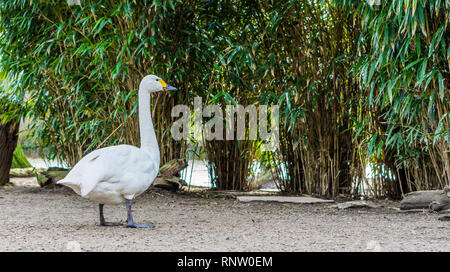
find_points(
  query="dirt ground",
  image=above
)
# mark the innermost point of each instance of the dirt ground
(35, 219)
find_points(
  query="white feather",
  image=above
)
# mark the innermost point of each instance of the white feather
(112, 174)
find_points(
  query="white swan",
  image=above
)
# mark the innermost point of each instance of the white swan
(117, 174)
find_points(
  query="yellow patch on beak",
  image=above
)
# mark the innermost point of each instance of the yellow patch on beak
(164, 84)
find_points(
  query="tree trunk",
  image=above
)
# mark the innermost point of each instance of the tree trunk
(8, 142)
(436, 200)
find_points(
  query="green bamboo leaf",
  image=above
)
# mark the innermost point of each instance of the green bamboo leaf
(413, 63)
(421, 73)
(441, 86)
(171, 4)
(371, 147)
(418, 46)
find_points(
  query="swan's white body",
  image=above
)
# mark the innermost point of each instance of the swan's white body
(115, 174)
(112, 174)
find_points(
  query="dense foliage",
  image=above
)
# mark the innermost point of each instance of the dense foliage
(356, 84)
(80, 67)
(404, 69)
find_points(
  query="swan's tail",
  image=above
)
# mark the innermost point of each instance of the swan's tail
(65, 182)
(71, 184)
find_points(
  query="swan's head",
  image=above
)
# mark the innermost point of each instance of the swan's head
(152, 83)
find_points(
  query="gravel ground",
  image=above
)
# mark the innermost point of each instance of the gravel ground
(35, 219)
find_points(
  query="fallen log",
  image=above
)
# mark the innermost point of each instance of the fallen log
(169, 183)
(22, 172)
(44, 176)
(49, 177)
(172, 168)
(435, 200)
(168, 177)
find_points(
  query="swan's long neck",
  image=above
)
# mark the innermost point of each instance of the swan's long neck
(147, 132)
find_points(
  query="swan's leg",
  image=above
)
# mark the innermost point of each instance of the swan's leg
(130, 222)
(102, 219)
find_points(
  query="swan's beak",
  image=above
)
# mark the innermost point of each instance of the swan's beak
(169, 88)
(165, 86)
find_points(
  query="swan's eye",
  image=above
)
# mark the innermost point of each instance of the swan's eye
(162, 82)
